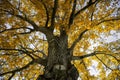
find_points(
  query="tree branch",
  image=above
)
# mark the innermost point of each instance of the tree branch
(26, 51)
(20, 50)
(29, 50)
(36, 27)
(16, 29)
(11, 76)
(26, 19)
(92, 14)
(78, 39)
(93, 54)
(53, 14)
(39, 61)
(114, 19)
(72, 13)
(17, 70)
(102, 62)
(47, 14)
(46, 11)
(88, 5)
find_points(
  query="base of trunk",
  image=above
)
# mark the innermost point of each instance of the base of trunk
(60, 74)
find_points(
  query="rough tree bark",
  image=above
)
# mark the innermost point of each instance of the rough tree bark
(59, 65)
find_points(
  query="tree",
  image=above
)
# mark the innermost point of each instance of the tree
(52, 39)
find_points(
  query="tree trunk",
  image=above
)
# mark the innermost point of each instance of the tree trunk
(59, 65)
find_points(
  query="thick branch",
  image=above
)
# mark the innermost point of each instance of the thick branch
(46, 11)
(72, 13)
(53, 14)
(41, 61)
(26, 19)
(23, 33)
(29, 50)
(47, 14)
(11, 76)
(30, 22)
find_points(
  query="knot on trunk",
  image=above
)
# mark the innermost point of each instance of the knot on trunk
(59, 67)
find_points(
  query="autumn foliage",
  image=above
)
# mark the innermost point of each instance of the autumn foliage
(59, 39)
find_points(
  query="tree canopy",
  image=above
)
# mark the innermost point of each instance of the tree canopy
(51, 39)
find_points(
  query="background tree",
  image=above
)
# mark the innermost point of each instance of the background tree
(59, 39)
